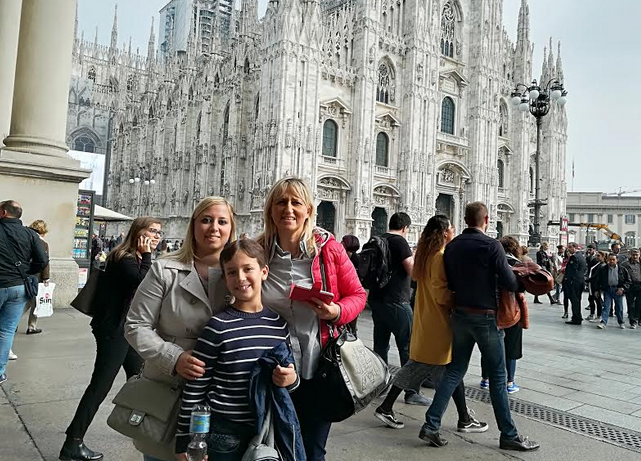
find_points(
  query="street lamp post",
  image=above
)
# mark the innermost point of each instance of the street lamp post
(146, 182)
(537, 100)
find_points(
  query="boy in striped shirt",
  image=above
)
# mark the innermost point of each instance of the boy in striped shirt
(230, 345)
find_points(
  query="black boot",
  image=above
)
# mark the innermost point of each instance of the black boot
(75, 450)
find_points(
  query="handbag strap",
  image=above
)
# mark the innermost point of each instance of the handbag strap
(12, 252)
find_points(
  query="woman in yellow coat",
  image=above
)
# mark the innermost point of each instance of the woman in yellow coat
(431, 343)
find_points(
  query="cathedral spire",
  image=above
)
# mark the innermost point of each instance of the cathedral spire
(559, 65)
(95, 39)
(523, 30)
(114, 29)
(151, 45)
(551, 60)
(248, 16)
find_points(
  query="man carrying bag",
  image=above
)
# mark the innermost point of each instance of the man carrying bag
(21, 256)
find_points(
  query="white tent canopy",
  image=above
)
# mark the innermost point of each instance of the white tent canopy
(105, 214)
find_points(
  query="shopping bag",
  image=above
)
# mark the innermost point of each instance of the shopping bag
(44, 300)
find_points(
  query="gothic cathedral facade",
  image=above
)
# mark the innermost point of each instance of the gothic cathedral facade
(380, 105)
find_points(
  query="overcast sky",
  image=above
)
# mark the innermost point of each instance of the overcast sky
(601, 63)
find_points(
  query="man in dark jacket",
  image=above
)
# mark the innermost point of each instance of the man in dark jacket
(633, 294)
(574, 281)
(476, 267)
(613, 280)
(30, 254)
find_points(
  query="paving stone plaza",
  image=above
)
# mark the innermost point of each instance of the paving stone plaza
(580, 398)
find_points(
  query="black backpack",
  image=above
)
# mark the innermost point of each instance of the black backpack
(373, 263)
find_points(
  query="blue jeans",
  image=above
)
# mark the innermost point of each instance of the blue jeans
(469, 329)
(610, 295)
(12, 302)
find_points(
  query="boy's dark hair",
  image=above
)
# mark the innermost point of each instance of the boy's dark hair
(399, 220)
(248, 246)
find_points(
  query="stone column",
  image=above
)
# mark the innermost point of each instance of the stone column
(43, 73)
(9, 31)
(35, 169)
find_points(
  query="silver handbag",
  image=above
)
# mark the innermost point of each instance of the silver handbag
(146, 410)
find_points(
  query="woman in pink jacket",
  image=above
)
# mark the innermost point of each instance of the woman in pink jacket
(302, 254)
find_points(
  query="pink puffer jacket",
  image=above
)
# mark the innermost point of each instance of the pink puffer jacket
(341, 279)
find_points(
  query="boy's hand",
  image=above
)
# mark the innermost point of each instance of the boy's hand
(283, 377)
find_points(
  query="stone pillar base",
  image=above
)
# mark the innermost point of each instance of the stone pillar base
(47, 188)
(64, 273)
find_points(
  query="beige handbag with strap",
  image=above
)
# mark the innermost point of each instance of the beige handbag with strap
(146, 410)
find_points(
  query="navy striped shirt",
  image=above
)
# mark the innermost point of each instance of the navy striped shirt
(230, 345)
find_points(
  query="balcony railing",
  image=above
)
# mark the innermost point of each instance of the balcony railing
(451, 139)
(383, 170)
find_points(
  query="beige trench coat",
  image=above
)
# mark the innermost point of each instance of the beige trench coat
(167, 315)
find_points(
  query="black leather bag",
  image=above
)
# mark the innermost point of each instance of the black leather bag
(350, 375)
(84, 301)
(30, 281)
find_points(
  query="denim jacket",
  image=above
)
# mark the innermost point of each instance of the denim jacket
(262, 391)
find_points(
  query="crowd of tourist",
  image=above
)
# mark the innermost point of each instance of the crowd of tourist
(201, 317)
(611, 280)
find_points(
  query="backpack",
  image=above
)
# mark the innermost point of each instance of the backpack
(373, 263)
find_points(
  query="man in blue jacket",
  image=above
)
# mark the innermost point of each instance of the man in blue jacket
(30, 253)
(476, 266)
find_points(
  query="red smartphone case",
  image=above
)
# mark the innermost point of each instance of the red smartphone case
(298, 293)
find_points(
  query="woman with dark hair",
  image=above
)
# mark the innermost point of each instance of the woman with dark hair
(127, 266)
(431, 343)
(352, 245)
(513, 339)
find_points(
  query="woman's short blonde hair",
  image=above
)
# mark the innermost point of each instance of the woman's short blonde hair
(39, 226)
(301, 189)
(185, 254)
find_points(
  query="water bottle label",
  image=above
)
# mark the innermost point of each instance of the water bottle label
(199, 424)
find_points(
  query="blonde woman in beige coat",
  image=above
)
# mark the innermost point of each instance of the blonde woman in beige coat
(176, 300)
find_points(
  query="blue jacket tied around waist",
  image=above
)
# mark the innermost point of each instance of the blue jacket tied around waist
(263, 392)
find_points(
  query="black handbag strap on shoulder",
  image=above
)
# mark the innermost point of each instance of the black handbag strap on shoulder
(12, 253)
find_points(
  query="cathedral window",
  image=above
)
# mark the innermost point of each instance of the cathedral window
(382, 150)
(447, 116)
(385, 87)
(503, 119)
(226, 124)
(448, 30)
(501, 168)
(84, 143)
(198, 124)
(131, 84)
(257, 107)
(330, 138)
(91, 75)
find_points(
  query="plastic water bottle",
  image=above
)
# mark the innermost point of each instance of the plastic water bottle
(199, 429)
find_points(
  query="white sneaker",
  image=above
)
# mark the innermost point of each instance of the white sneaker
(601, 325)
(622, 326)
(12, 356)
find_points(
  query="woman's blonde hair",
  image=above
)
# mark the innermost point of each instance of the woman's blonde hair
(129, 244)
(185, 254)
(39, 226)
(299, 188)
